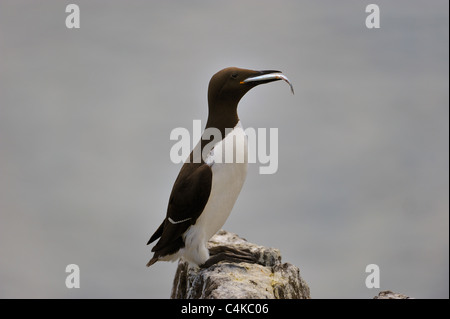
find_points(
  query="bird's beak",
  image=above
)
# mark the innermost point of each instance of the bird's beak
(268, 76)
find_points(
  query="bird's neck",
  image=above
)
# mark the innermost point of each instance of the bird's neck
(222, 115)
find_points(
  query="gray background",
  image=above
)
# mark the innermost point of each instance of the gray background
(85, 118)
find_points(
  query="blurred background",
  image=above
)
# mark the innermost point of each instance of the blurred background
(86, 114)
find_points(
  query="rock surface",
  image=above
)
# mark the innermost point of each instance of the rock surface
(387, 294)
(269, 278)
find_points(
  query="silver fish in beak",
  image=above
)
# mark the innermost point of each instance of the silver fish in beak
(269, 76)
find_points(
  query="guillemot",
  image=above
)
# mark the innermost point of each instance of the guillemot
(208, 183)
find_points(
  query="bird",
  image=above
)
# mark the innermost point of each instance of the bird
(209, 183)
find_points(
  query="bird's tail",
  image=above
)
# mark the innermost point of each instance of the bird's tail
(152, 261)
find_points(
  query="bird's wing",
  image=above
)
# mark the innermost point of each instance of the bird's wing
(189, 196)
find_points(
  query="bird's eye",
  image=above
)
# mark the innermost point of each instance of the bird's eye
(234, 75)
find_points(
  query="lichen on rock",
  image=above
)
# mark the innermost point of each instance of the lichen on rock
(268, 278)
(387, 294)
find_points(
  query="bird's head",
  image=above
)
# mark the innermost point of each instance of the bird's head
(230, 85)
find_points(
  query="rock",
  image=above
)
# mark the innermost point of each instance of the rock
(387, 294)
(269, 278)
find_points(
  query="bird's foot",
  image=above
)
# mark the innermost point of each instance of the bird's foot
(229, 254)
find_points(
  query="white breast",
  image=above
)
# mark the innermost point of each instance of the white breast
(227, 181)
